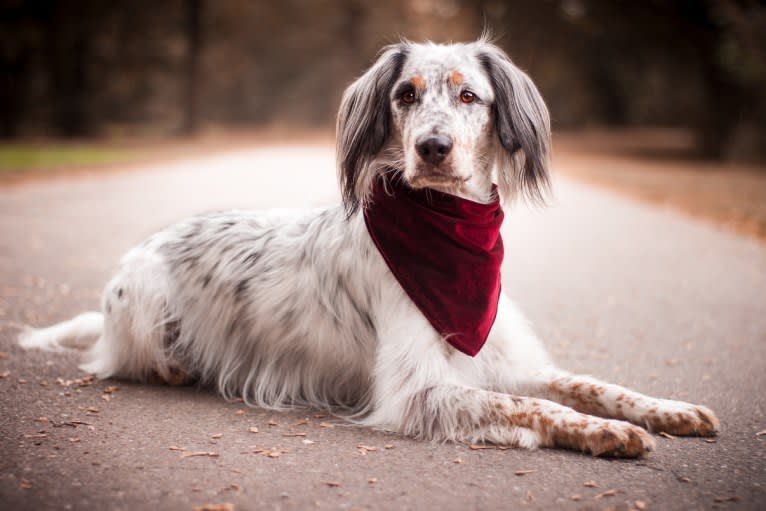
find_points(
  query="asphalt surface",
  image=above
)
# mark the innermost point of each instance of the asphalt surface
(631, 293)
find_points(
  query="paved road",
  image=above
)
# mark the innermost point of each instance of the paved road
(627, 292)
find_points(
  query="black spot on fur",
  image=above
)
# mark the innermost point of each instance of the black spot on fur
(252, 258)
(241, 289)
(120, 292)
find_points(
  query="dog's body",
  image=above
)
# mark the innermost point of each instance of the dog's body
(299, 308)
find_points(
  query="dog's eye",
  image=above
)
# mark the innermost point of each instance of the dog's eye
(467, 96)
(408, 97)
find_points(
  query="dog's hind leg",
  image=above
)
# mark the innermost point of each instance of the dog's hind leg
(135, 308)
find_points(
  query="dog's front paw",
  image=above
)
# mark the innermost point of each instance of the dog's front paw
(618, 439)
(604, 437)
(683, 419)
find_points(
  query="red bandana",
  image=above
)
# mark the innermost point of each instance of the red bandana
(445, 252)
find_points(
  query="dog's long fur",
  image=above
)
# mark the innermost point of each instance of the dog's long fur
(294, 308)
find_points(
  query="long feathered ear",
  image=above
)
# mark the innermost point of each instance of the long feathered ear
(364, 125)
(522, 125)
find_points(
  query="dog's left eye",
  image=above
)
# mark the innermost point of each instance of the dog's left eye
(467, 96)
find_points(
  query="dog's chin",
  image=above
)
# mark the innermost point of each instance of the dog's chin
(436, 180)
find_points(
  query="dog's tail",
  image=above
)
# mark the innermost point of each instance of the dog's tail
(78, 333)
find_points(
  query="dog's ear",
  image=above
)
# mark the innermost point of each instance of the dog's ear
(364, 125)
(522, 125)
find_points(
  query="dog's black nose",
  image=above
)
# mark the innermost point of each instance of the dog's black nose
(434, 148)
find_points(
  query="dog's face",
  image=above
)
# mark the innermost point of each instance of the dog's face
(455, 118)
(442, 120)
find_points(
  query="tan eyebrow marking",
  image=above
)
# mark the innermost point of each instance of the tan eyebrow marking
(418, 82)
(455, 78)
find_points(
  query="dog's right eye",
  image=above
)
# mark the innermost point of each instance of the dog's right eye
(408, 97)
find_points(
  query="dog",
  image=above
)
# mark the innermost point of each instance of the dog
(302, 308)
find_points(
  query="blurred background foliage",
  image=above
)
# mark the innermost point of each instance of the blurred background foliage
(95, 68)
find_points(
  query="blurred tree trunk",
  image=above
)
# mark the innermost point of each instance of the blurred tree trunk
(193, 31)
(68, 55)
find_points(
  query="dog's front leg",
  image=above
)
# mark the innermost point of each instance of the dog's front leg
(589, 395)
(464, 414)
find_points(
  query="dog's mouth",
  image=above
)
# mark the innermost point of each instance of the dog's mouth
(437, 180)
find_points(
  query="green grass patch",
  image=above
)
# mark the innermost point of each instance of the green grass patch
(25, 157)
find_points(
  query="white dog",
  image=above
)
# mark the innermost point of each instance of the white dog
(305, 309)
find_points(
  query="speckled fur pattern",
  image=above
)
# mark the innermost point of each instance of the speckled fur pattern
(298, 308)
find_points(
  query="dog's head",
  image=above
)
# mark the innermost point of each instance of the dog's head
(453, 118)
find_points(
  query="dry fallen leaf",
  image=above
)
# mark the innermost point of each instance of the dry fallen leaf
(326, 425)
(253, 430)
(25, 484)
(666, 435)
(576, 497)
(272, 422)
(761, 433)
(41, 419)
(710, 440)
(308, 442)
(607, 493)
(457, 461)
(3, 355)
(293, 434)
(5, 374)
(320, 415)
(640, 504)
(684, 479)
(216, 436)
(530, 496)
(239, 412)
(200, 453)
(111, 389)
(92, 409)
(176, 448)
(367, 447)
(590, 484)
(224, 506)
(372, 480)
(477, 447)
(36, 435)
(235, 471)
(74, 440)
(525, 472)
(332, 484)
(22, 381)
(388, 446)
(106, 397)
(301, 422)
(727, 498)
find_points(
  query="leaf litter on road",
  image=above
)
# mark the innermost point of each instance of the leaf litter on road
(607, 493)
(223, 506)
(192, 454)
